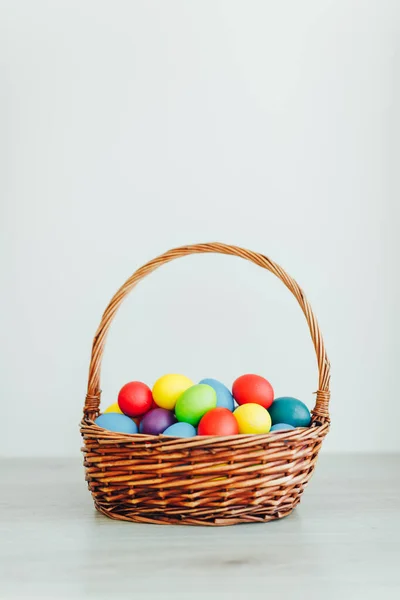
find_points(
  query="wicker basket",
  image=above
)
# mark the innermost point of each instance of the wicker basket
(201, 480)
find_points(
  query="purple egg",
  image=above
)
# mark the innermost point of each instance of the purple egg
(157, 420)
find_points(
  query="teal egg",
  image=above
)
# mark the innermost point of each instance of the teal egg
(182, 430)
(116, 422)
(224, 396)
(281, 427)
(290, 411)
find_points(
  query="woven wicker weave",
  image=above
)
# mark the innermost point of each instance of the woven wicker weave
(201, 480)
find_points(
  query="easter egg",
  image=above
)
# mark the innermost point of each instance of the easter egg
(253, 389)
(195, 402)
(116, 422)
(218, 421)
(182, 430)
(252, 418)
(168, 388)
(135, 399)
(114, 408)
(291, 411)
(224, 396)
(281, 427)
(222, 466)
(156, 421)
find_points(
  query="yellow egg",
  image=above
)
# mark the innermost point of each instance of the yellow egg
(214, 478)
(224, 476)
(114, 408)
(168, 388)
(252, 418)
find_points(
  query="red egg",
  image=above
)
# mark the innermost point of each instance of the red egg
(135, 399)
(218, 421)
(254, 389)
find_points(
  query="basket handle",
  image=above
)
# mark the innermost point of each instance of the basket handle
(92, 402)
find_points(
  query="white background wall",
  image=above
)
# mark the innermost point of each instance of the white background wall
(131, 127)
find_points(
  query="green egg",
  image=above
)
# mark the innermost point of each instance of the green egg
(193, 404)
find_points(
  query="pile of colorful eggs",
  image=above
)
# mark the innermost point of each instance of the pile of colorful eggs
(177, 407)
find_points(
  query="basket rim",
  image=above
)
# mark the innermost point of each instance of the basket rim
(89, 429)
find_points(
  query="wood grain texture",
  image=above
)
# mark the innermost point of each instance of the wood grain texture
(203, 480)
(341, 543)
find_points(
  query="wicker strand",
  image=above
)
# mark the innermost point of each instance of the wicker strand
(321, 409)
(92, 404)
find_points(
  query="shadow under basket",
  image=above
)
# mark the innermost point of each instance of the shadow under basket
(201, 480)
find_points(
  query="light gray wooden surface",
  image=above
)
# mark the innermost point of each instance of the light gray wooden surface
(342, 542)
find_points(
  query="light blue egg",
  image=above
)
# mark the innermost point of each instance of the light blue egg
(224, 396)
(183, 430)
(116, 422)
(281, 426)
(289, 410)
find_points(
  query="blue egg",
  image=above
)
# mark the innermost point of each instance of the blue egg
(224, 396)
(290, 411)
(183, 430)
(281, 426)
(116, 422)
(141, 426)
